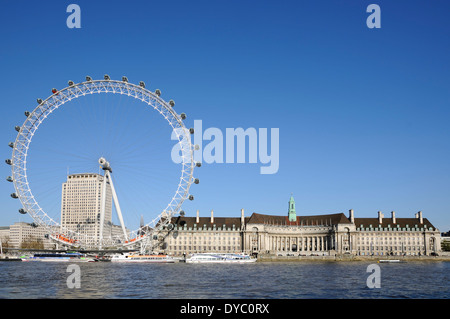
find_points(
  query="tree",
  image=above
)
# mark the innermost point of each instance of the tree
(445, 245)
(6, 243)
(32, 243)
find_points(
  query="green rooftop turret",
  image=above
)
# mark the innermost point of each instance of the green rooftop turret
(291, 213)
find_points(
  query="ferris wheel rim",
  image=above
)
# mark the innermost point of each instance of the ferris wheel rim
(74, 91)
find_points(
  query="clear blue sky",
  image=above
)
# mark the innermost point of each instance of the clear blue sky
(363, 113)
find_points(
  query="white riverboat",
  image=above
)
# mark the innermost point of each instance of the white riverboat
(133, 258)
(391, 261)
(59, 257)
(220, 258)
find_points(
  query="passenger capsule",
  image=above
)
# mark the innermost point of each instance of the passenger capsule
(9, 179)
(191, 197)
(172, 103)
(105, 165)
(11, 144)
(88, 78)
(191, 130)
(17, 128)
(181, 212)
(8, 161)
(170, 226)
(158, 92)
(39, 101)
(124, 79)
(155, 237)
(22, 211)
(70, 83)
(106, 77)
(196, 181)
(27, 113)
(196, 147)
(14, 195)
(142, 84)
(183, 116)
(54, 91)
(198, 164)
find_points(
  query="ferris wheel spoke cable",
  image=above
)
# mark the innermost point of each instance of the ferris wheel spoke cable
(118, 125)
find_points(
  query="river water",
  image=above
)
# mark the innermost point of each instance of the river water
(261, 280)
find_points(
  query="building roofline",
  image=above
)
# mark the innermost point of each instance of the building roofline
(399, 222)
(324, 219)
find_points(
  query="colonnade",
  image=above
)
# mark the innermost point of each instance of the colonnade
(289, 243)
(300, 243)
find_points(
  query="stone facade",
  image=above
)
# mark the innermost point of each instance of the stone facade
(306, 235)
(203, 234)
(363, 237)
(320, 235)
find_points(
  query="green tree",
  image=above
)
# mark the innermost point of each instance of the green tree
(445, 245)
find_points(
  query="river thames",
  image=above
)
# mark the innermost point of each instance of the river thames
(261, 280)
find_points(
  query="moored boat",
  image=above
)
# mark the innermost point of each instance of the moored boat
(58, 257)
(391, 261)
(133, 258)
(10, 259)
(220, 258)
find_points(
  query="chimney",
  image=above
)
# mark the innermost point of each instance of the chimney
(351, 216)
(197, 219)
(419, 215)
(380, 217)
(393, 217)
(212, 216)
(242, 218)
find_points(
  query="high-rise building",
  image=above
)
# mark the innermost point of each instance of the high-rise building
(81, 206)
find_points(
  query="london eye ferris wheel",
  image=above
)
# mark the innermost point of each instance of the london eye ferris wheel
(127, 237)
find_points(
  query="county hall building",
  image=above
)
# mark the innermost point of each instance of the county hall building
(292, 235)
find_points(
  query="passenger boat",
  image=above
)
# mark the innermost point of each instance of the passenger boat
(391, 261)
(130, 258)
(10, 259)
(58, 257)
(220, 258)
